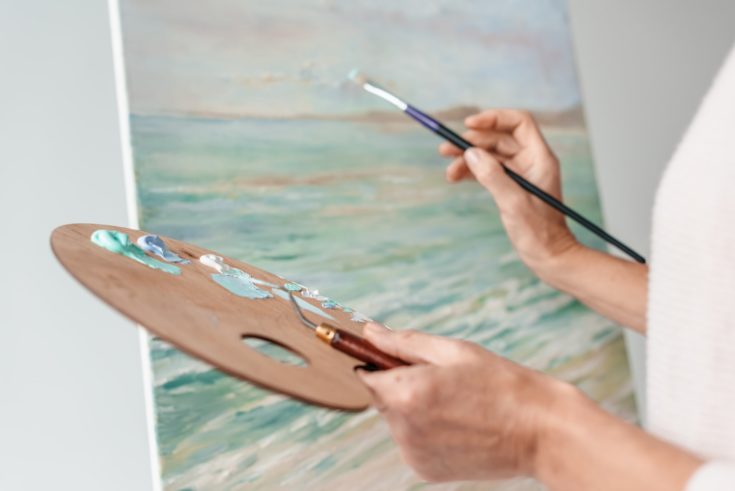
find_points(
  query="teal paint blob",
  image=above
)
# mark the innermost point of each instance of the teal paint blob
(303, 304)
(242, 286)
(293, 287)
(259, 282)
(119, 243)
(245, 277)
(218, 264)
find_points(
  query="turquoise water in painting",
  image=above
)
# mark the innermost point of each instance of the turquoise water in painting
(362, 212)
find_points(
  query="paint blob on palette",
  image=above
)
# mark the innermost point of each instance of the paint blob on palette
(242, 284)
(361, 318)
(330, 304)
(155, 245)
(234, 280)
(119, 243)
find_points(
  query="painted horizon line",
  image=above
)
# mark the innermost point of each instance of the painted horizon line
(570, 117)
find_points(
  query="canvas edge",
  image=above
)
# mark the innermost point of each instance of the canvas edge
(123, 112)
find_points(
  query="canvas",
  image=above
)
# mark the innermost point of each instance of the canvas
(248, 139)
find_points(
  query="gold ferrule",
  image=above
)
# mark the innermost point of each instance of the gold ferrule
(325, 332)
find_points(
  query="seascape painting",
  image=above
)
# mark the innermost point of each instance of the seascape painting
(248, 139)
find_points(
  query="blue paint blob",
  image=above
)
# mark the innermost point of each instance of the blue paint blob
(119, 243)
(329, 304)
(240, 286)
(155, 245)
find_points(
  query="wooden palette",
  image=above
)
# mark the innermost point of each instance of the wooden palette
(205, 320)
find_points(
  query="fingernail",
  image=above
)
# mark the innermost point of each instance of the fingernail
(473, 157)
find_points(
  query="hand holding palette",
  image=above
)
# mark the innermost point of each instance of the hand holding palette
(211, 304)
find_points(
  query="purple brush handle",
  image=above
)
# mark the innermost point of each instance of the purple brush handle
(422, 118)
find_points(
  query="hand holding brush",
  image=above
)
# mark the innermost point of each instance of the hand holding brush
(538, 232)
(463, 144)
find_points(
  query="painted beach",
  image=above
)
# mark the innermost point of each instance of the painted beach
(361, 211)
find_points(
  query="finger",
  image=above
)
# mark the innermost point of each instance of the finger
(521, 124)
(497, 119)
(372, 382)
(502, 144)
(448, 150)
(390, 388)
(458, 170)
(409, 345)
(495, 142)
(490, 173)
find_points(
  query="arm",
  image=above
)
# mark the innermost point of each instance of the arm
(587, 448)
(614, 287)
(463, 413)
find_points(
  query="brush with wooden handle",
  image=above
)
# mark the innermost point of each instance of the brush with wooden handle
(349, 344)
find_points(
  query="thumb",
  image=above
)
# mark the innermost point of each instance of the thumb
(409, 345)
(490, 173)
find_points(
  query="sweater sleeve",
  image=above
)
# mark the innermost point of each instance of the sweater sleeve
(713, 476)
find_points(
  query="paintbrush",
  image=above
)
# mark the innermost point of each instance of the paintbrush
(452, 137)
(348, 343)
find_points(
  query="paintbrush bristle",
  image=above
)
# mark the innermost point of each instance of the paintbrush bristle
(357, 77)
(362, 81)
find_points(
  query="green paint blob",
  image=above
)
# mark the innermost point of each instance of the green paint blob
(240, 286)
(119, 243)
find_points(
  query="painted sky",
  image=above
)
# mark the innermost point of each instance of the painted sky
(280, 58)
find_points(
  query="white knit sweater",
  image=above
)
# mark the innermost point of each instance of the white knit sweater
(691, 312)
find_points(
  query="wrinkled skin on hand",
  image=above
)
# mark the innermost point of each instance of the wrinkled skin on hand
(461, 412)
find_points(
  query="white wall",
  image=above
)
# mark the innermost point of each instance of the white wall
(71, 404)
